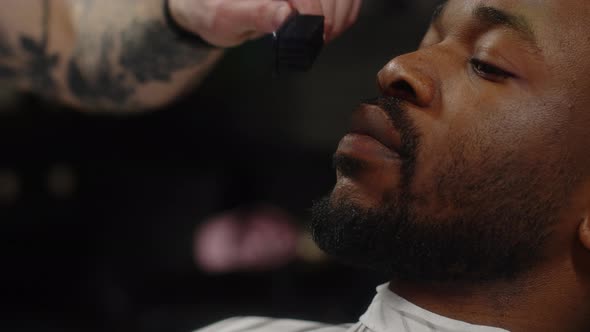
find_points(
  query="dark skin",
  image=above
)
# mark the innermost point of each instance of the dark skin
(510, 78)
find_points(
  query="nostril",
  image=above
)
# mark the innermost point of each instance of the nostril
(404, 90)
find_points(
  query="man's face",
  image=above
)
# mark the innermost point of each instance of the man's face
(464, 169)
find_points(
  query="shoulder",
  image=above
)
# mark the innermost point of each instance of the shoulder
(265, 324)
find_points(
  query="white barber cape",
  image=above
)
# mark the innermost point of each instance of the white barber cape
(387, 313)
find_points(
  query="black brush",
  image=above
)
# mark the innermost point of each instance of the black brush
(298, 43)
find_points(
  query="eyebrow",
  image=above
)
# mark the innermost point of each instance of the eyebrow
(491, 17)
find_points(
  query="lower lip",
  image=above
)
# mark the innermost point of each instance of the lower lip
(364, 147)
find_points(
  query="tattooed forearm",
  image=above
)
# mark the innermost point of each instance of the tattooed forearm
(6, 72)
(30, 60)
(153, 52)
(5, 49)
(111, 66)
(106, 86)
(149, 51)
(39, 65)
(100, 54)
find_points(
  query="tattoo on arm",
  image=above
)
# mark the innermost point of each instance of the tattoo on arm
(38, 62)
(149, 52)
(153, 52)
(107, 86)
(5, 52)
(5, 49)
(109, 65)
(41, 62)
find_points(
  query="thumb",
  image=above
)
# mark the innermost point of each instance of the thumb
(309, 7)
(260, 16)
(238, 21)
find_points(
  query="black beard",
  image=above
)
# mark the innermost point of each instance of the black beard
(395, 243)
(499, 233)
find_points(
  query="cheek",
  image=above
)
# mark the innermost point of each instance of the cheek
(481, 147)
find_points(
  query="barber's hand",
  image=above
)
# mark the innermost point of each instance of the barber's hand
(340, 14)
(228, 23)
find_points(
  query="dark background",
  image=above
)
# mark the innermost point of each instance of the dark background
(97, 212)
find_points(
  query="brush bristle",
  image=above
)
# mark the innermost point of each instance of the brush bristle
(299, 42)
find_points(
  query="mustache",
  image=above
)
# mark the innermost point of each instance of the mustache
(387, 103)
(401, 120)
(391, 105)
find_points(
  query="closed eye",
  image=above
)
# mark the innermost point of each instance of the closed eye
(488, 71)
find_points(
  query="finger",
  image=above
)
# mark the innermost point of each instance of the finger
(329, 7)
(247, 19)
(354, 14)
(261, 15)
(308, 7)
(341, 14)
(253, 35)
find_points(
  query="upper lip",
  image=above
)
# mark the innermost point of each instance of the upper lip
(373, 121)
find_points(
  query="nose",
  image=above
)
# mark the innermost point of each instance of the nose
(406, 77)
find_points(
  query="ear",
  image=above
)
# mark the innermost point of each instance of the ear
(584, 232)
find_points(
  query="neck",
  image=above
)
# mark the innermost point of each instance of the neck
(547, 299)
